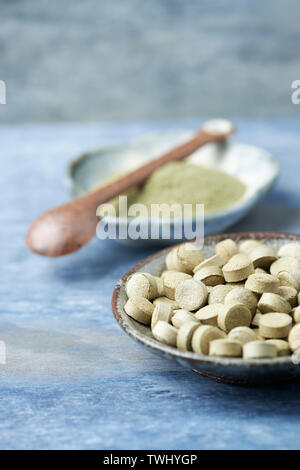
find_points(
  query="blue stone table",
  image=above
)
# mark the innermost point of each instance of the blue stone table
(73, 379)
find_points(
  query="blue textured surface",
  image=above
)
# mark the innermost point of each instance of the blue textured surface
(73, 379)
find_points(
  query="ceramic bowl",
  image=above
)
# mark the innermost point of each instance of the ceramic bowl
(229, 370)
(252, 165)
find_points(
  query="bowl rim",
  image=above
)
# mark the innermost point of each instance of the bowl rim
(187, 355)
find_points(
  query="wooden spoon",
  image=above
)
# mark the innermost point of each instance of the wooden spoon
(67, 228)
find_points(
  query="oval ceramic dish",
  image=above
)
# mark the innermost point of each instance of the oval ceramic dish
(237, 370)
(252, 165)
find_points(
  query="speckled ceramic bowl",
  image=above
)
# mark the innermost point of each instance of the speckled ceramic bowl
(255, 167)
(237, 371)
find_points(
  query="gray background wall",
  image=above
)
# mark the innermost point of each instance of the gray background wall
(147, 59)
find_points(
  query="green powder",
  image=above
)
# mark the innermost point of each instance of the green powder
(187, 183)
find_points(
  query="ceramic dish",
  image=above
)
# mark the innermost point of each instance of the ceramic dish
(237, 370)
(252, 165)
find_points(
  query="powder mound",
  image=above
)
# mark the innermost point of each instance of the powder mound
(187, 183)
